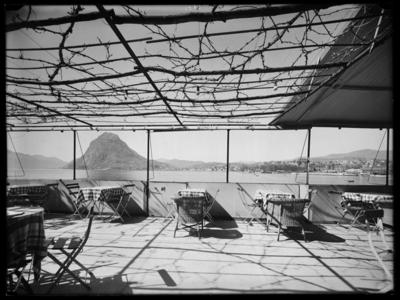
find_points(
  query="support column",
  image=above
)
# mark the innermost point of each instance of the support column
(387, 155)
(74, 172)
(308, 155)
(227, 156)
(146, 203)
(309, 213)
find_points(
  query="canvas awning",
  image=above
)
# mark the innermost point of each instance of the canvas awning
(362, 96)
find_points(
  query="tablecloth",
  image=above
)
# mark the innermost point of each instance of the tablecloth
(25, 234)
(27, 189)
(98, 193)
(367, 197)
(266, 195)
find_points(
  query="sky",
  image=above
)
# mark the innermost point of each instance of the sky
(202, 145)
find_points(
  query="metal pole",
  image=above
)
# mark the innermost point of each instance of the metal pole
(74, 174)
(146, 204)
(309, 216)
(227, 156)
(387, 156)
(308, 155)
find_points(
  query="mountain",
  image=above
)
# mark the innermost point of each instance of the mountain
(365, 154)
(180, 164)
(32, 161)
(108, 151)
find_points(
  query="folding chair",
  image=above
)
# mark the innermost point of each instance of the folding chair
(70, 247)
(209, 206)
(171, 210)
(16, 270)
(73, 191)
(190, 213)
(290, 214)
(119, 202)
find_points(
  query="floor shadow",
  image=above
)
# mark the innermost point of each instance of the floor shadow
(129, 220)
(224, 224)
(57, 221)
(217, 233)
(313, 233)
(112, 285)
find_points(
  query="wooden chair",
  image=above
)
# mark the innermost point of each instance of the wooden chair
(70, 247)
(190, 213)
(73, 191)
(288, 213)
(118, 204)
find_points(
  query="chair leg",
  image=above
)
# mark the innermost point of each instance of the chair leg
(279, 231)
(304, 234)
(64, 269)
(176, 223)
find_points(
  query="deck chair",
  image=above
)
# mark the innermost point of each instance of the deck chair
(70, 247)
(72, 190)
(118, 204)
(190, 213)
(171, 211)
(290, 214)
(15, 277)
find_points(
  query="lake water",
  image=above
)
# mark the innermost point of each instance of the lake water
(199, 176)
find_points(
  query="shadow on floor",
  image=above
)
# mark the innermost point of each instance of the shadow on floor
(129, 220)
(313, 233)
(112, 285)
(224, 224)
(57, 221)
(217, 233)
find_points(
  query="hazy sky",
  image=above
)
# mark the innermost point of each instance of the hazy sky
(210, 145)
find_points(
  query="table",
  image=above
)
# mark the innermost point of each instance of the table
(28, 194)
(25, 234)
(98, 195)
(195, 193)
(264, 196)
(366, 207)
(27, 189)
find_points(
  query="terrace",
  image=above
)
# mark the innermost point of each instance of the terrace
(291, 67)
(141, 256)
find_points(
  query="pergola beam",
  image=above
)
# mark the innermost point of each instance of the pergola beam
(137, 61)
(171, 19)
(49, 109)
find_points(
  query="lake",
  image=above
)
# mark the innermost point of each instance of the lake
(200, 176)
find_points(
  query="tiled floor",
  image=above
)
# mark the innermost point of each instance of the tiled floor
(142, 257)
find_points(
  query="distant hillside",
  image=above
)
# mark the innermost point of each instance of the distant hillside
(365, 154)
(32, 161)
(108, 151)
(180, 164)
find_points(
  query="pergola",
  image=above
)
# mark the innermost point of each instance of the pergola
(209, 67)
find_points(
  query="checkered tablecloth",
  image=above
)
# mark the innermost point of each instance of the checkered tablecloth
(195, 193)
(28, 189)
(25, 234)
(98, 193)
(192, 192)
(366, 197)
(266, 195)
